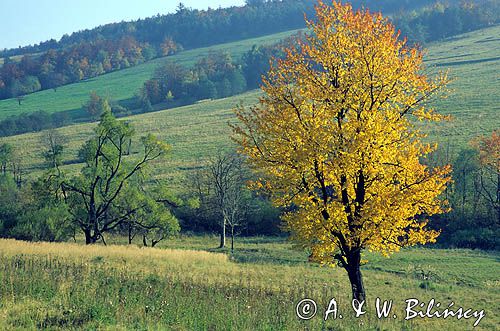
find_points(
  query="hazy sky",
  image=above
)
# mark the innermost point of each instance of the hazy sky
(24, 22)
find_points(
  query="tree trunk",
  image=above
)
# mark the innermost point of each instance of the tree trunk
(354, 273)
(232, 240)
(129, 234)
(88, 236)
(223, 234)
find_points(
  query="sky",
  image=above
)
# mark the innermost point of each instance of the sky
(25, 22)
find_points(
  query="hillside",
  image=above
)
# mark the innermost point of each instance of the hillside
(120, 85)
(196, 131)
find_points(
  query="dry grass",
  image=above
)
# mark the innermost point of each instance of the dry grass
(115, 253)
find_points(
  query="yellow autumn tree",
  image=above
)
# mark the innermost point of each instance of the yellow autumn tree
(333, 140)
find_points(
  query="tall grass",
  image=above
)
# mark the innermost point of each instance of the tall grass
(69, 286)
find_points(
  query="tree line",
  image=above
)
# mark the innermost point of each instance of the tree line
(75, 63)
(214, 76)
(197, 28)
(114, 192)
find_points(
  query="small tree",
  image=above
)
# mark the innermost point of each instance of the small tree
(235, 208)
(152, 219)
(54, 148)
(95, 194)
(20, 99)
(489, 158)
(168, 47)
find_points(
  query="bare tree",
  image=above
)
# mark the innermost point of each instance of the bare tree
(17, 171)
(226, 176)
(489, 158)
(235, 208)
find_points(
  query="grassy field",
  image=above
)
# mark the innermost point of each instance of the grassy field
(187, 284)
(123, 84)
(195, 133)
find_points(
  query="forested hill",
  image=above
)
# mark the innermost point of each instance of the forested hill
(90, 53)
(197, 28)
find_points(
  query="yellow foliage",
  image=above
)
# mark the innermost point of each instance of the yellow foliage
(333, 140)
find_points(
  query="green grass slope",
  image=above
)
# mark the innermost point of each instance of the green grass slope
(197, 131)
(122, 84)
(473, 61)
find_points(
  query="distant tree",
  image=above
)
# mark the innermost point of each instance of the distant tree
(226, 178)
(152, 91)
(17, 170)
(207, 89)
(168, 47)
(171, 77)
(237, 81)
(224, 88)
(53, 143)
(96, 105)
(489, 158)
(20, 99)
(149, 52)
(55, 79)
